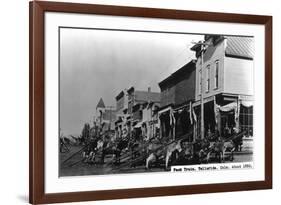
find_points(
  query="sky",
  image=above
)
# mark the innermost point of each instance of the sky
(98, 64)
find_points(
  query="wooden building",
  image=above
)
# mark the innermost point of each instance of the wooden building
(177, 95)
(227, 86)
(130, 107)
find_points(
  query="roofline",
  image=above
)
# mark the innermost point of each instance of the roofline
(238, 56)
(119, 95)
(168, 105)
(131, 88)
(195, 47)
(99, 102)
(176, 72)
(146, 91)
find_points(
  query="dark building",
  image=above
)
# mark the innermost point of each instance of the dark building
(177, 95)
(179, 87)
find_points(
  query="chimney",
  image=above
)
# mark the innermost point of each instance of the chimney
(149, 89)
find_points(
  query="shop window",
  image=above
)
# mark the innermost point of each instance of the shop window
(246, 120)
(216, 83)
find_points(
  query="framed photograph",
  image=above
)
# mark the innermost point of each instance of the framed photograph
(140, 102)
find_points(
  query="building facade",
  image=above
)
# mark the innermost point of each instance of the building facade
(150, 124)
(224, 80)
(121, 116)
(132, 105)
(121, 103)
(177, 96)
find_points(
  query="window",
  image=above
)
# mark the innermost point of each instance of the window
(200, 83)
(208, 79)
(246, 120)
(216, 75)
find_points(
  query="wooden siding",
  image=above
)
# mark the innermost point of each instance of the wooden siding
(185, 88)
(180, 88)
(168, 96)
(239, 76)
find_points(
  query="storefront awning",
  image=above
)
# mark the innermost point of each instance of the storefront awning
(165, 110)
(232, 106)
(247, 103)
(228, 107)
(138, 125)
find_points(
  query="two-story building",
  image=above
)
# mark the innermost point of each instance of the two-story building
(130, 106)
(177, 96)
(224, 80)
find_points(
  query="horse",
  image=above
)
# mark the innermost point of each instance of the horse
(170, 152)
(238, 142)
(229, 146)
(114, 147)
(99, 147)
(220, 148)
(121, 145)
(153, 152)
(90, 151)
(137, 148)
(106, 147)
(186, 155)
(201, 148)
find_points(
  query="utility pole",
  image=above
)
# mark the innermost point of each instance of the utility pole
(201, 97)
(203, 47)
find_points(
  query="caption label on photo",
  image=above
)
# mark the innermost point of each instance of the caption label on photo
(212, 167)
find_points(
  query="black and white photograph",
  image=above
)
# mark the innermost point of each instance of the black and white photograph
(133, 101)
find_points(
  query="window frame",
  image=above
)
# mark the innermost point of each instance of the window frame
(216, 74)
